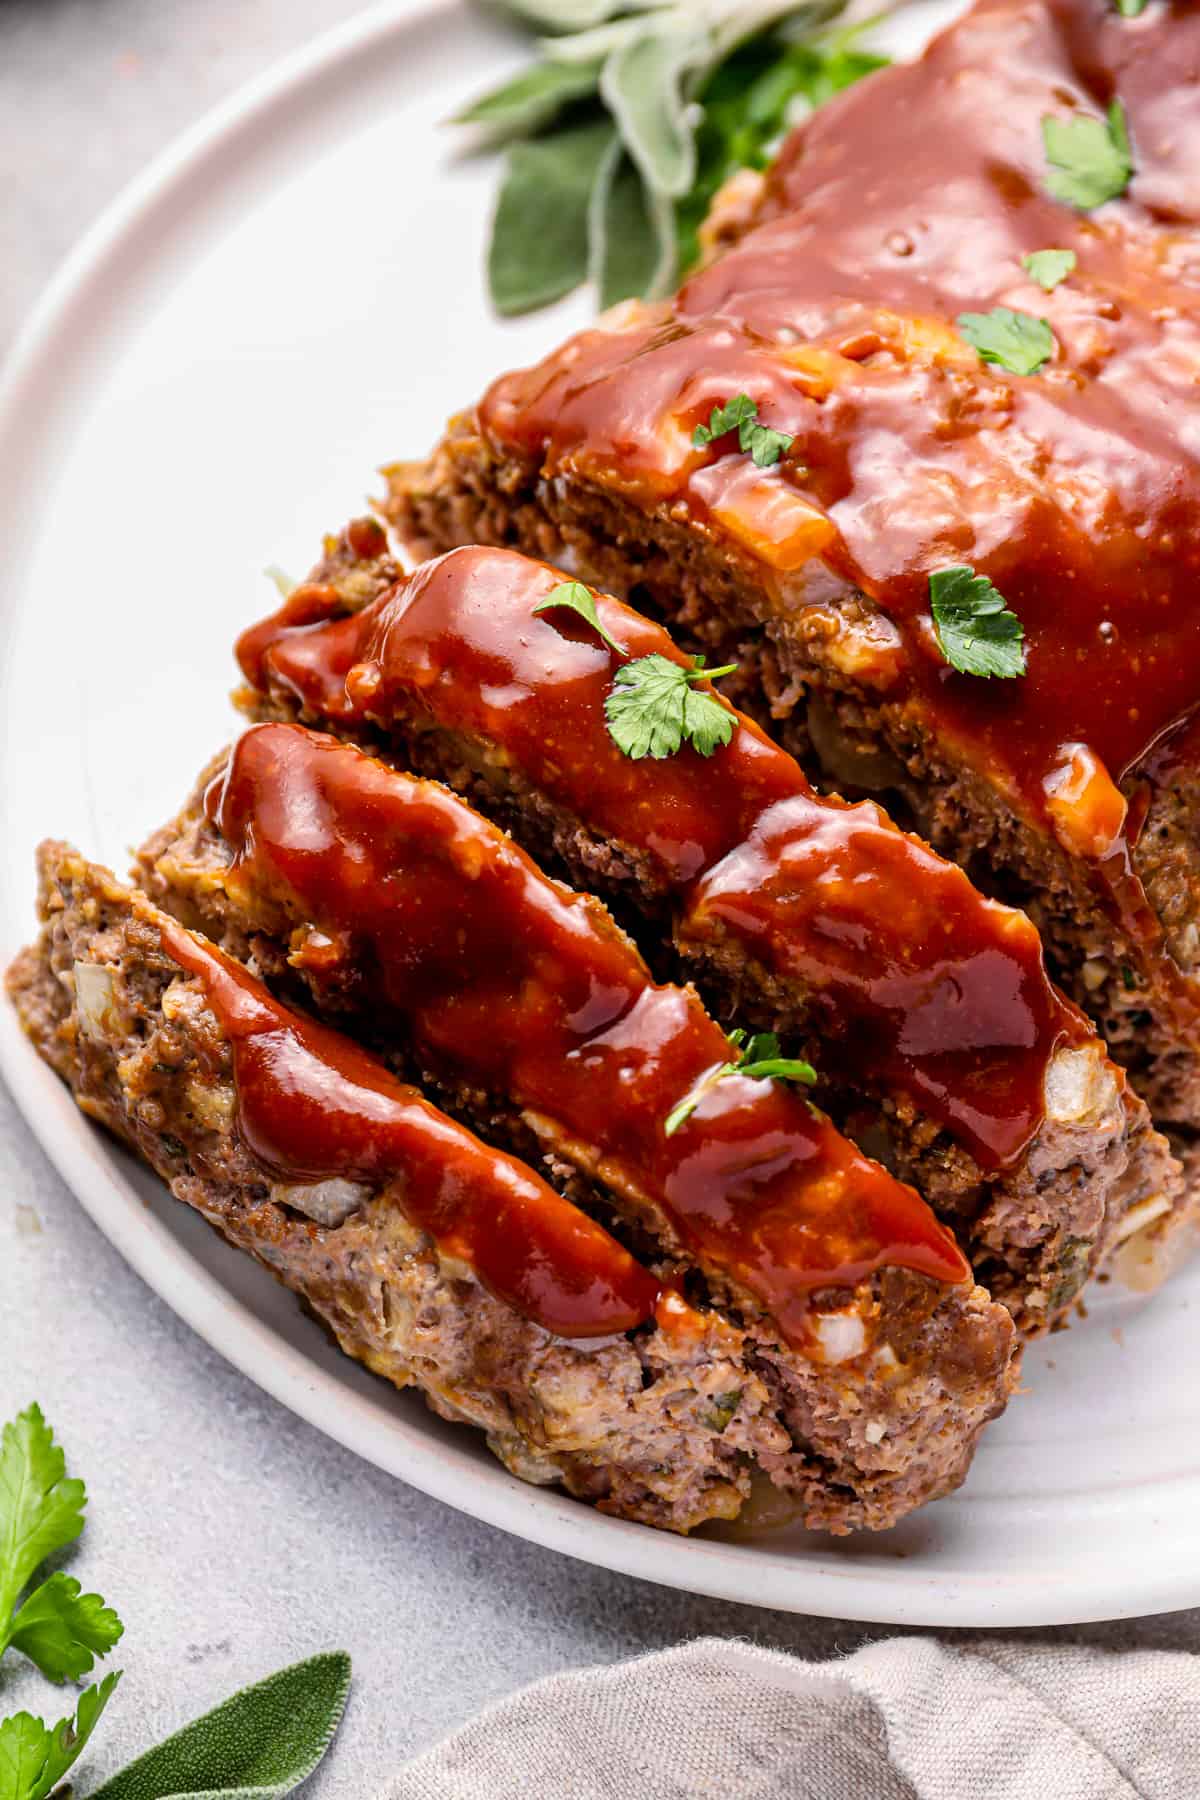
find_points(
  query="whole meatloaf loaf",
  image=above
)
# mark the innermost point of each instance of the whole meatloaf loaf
(952, 410)
(449, 1265)
(940, 1041)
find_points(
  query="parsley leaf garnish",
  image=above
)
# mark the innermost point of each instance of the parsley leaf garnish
(34, 1756)
(41, 1509)
(737, 414)
(1131, 9)
(741, 415)
(976, 633)
(653, 708)
(64, 1630)
(581, 601)
(59, 1628)
(1016, 340)
(1090, 159)
(760, 1060)
(1049, 267)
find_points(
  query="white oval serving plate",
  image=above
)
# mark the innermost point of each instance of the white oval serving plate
(289, 297)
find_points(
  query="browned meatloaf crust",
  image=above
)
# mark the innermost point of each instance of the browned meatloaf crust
(1094, 1173)
(902, 203)
(667, 1433)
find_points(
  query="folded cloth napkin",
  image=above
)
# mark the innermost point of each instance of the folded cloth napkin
(908, 1717)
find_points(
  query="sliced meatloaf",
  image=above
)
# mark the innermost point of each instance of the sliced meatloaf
(939, 1038)
(941, 419)
(398, 908)
(446, 1265)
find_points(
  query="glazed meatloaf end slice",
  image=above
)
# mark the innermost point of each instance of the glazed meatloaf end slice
(406, 916)
(890, 234)
(662, 1423)
(940, 1040)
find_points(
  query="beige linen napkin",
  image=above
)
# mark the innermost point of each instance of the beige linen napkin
(908, 1717)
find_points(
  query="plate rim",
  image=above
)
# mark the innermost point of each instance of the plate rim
(448, 1473)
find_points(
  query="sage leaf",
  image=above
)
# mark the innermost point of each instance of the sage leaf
(531, 100)
(642, 86)
(750, 17)
(631, 233)
(258, 1745)
(581, 46)
(539, 248)
(573, 15)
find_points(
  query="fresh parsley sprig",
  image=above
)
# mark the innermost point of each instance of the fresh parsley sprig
(760, 1060)
(740, 414)
(975, 631)
(580, 600)
(1015, 340)
(1049, 267)
(58, 1627)
(1090, 159)
(655, 707)
(636, 113)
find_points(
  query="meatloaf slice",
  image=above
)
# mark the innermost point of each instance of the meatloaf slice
(890, 238)
(940, 1040)
(666, 1422)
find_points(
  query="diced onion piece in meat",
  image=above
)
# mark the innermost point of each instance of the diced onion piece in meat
(841, 1335)
(1080, 1085)
(325, 1202)
(93, 998)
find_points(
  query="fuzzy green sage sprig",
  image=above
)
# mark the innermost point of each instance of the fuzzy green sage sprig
(633, 116)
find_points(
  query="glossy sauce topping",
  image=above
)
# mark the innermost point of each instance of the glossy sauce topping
(911, 971)
(404, 905)
(902, 203)
(312, 1106)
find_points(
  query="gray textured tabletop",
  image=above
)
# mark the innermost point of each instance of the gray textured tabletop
(232, 1537)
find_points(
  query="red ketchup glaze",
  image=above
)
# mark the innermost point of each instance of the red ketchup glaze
(420, 911)
(905, 201)
(312, 1106)
(913, 972)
